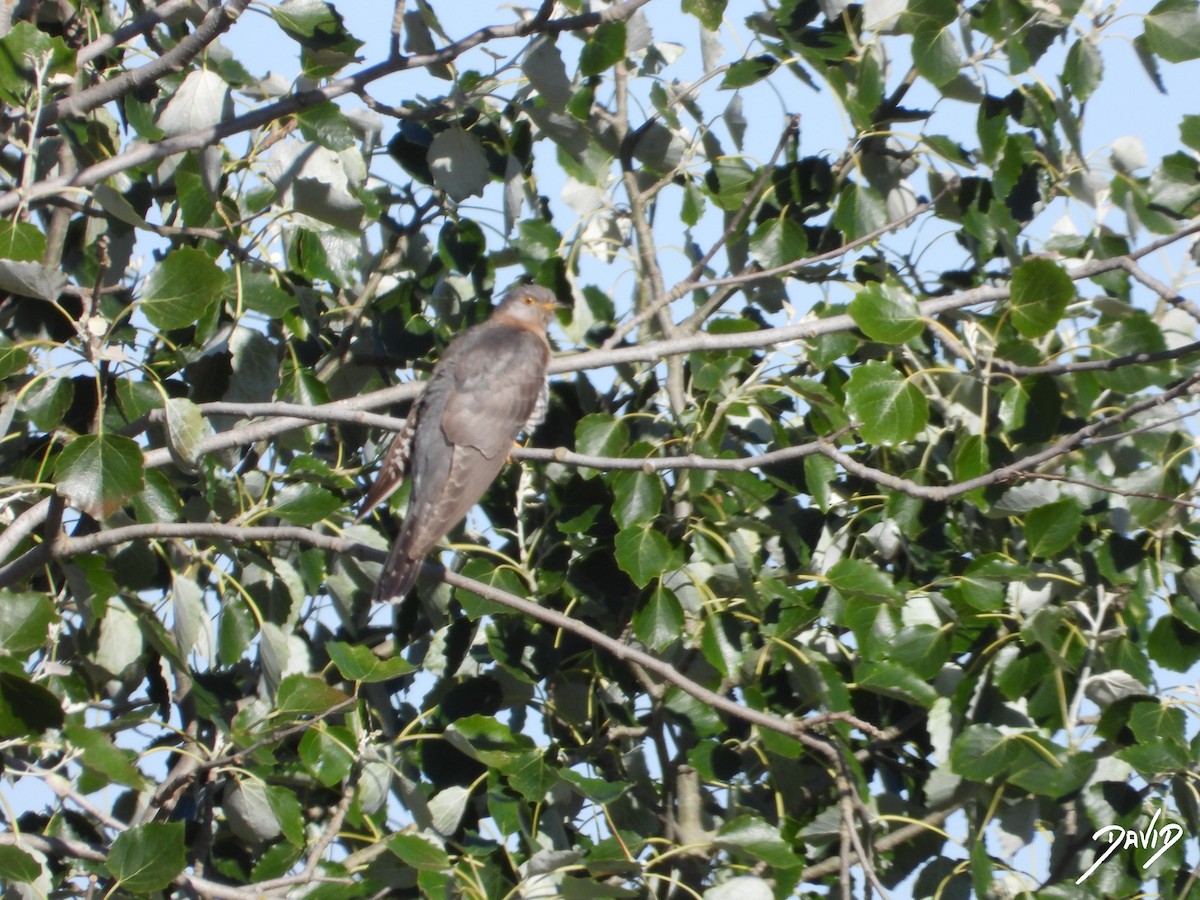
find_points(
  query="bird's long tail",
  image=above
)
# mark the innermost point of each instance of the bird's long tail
(398, 575)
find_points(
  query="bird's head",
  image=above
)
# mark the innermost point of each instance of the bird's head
(530, 306)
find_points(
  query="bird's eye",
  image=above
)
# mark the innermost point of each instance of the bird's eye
(529, 301)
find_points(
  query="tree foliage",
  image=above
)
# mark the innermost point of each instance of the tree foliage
(859, 538)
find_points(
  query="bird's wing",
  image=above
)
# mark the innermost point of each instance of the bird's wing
(395, 465)
(396, 461)
(496, 387)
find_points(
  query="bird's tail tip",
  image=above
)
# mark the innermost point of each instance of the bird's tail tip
(397, 578)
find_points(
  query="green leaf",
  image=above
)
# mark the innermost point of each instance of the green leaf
(748, 71)
(1154, 759)
(1189, 133)
(305, 695)
(12, 358)
(819, 473)
(601, 435)
(1173, 645)
(328, 753)
(325, 44)
(1048, 770)
(982, 870)
(186, 430)
(1172, 30)
(936, 55)
(693, 204)
(759, 839)
(860, 210)
(659, 621)
(24, 51)
(261, 294)
(1084, 68)
(17, 865)
(358, 663)
(604, 48)
(458, 164)
(717, 648)
(487, 572)
(47, 405)
(327, 125)
(1052, 528)
(858, 579)
(886, 313)
(31, 279)
(98, 473)
(99, 754)
(982, 752)
(888, 408)
(598, 790)
(638, 498)
(729, 181)
(421, 851)
(709, 12)
(147, 857)
(305, 504)
(921, 14)
(24, 621)
(1152, 721)
(778, 242)
(21, 241)
(196, 201)
(114, 203)
(890, 679)
(971, 457)
(1041, 290)
(275, 862)
(644, 554)
(182, 289)
(1129, 336)
(461, 245)
(981, 585)
(26, 708)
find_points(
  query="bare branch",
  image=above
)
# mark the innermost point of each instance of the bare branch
(1158, 287)
(1110, 489)
(1094, 365)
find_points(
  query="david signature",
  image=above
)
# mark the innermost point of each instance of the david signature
(1146, 839)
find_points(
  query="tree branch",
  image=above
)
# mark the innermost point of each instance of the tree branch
(1018, 469)
(147, 21)
(73, 546)
(215, 23)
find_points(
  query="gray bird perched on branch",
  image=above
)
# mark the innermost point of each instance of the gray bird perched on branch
(489, 385)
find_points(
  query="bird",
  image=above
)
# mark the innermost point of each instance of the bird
(488, 387)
